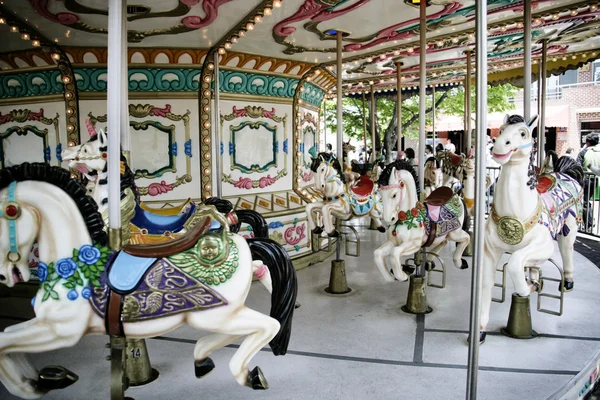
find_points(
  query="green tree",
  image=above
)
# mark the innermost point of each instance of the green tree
(449, 102)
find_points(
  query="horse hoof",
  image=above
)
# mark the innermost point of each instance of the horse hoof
(55, 377)
(297, 305)
(429, 265)
(482, 335)
(333, 234)
(567, 287)
(256, 380)
(537, 286)
(408, 270)
(203, 367)
(463, 264)
(381, 229)
(317, 231)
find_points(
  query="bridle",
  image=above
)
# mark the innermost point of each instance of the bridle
(400, 186)
(78, 157)
(11, 211)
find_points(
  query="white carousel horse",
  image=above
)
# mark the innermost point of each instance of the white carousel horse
(433, 175)
(528, 213)
(414, 224)
(339, 200)
(204, 283)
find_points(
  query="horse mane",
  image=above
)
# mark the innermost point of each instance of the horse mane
(384, 178)
(335, 163)
(60, 178)
(568, 166)
(435, 160)
(515, 119)
(551, 155)
(128, 180)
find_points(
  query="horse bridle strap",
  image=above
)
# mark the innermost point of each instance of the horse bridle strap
(511, 230)
(11, 212)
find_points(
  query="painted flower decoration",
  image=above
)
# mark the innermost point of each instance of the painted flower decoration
(42, 272)
(414, 212)
(65, 268)
(86, 293)
(420, 206)
(402, 216)
(89, 254)
(72, 295)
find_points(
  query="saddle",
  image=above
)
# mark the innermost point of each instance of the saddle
(171, 211)
(545, 183)
(157, 224)
(364, 187)
(166, 249)
(455, 159)
(439, 196)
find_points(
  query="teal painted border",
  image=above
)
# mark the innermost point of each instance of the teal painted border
(254, 167)
(41, 83)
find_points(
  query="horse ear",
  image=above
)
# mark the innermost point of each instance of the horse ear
(532, 123)
(470, 153)
(394, 174)
(102, 137)
(506, 117)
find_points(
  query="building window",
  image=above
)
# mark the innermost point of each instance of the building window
(589, 127)
(596, 71)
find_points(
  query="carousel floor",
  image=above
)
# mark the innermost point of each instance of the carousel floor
(361, 345)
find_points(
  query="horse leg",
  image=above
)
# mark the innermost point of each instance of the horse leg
(565, 245)
(263, 274)
(327, 211)
(434, 250)
(537, 251)
(409, 247)
(205, 347)
(37, 337)
(491, 256)
(311, 210)
(376, 217)
(380, 254)
(462, 240)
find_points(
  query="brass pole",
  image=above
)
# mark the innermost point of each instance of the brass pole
(399, 103)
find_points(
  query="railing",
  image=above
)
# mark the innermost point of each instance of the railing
(591, 201)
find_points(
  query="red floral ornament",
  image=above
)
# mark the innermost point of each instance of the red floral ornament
(414, 212)
(402, 216)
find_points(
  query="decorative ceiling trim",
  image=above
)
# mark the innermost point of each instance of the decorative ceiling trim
(64, 67)
(187, 24)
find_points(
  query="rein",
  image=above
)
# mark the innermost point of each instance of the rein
(11, 212)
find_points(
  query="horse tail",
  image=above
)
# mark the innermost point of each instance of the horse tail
(466, 220)
(257, 222)
(568, 166)
(285, 288)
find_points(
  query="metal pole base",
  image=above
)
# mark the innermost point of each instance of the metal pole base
(416, 302)
(519, 319)
(469, 250)
(337, 278)
(137, 367)
(372, 225)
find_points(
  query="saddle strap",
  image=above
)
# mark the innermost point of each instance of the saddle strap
(432, 233)
(112, 318)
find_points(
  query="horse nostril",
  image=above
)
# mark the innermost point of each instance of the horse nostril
(2, 278)
(508, 143)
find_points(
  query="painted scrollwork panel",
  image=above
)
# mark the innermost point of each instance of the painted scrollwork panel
(254, 152)
(161, 147)
(308, 146)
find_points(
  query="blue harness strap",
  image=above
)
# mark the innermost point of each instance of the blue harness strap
(11, 212)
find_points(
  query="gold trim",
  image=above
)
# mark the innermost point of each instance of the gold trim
(142, 95)
(253, 98)
(52, 98)
(28, 69)
(511, 230)
(263, 72)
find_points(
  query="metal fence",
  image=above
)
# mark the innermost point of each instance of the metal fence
(591, 201)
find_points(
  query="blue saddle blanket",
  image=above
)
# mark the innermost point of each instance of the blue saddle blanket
(126, 272)
(158, 224)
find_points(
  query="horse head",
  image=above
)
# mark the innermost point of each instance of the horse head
(433, 172)
(515, 140)
(326, 168)
(90, 157)
(398, 189)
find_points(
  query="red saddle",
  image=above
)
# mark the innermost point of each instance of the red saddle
(439, 196)
(455, 159)
(363, 187)
(545, 183)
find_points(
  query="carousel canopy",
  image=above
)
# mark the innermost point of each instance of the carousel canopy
(292, 36)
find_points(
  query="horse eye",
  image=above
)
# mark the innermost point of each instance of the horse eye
(523, 134)
(394, 196)
(494, 140)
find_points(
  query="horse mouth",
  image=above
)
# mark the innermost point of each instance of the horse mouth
(502, 157)
(82, 168)
(17, 276)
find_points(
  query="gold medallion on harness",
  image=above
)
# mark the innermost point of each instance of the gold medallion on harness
(510, 230)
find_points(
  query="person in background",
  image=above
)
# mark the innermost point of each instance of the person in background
(589, 158)
(439, 147)
(450, 147)
(410, 156)
(428, 151)
(328, 148)
(571, 152)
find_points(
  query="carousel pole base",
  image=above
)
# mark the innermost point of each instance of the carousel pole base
(416, 302)
(519, 319)
(137, 366)
(337, 278)
(469, 250)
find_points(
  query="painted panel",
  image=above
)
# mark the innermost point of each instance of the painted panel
(32, 133)
(308, 136)
(254, 149)
(164, 145)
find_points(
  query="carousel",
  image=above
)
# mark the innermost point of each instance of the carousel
(176, 209)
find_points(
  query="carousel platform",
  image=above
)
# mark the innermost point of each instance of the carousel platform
(362, 346)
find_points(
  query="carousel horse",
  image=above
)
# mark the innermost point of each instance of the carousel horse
(529, 212)
(452, 168)
(433, 175)
(414, 224)
(202, 279)
(339, 200)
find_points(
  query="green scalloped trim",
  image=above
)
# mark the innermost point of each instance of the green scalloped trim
(26, 84)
